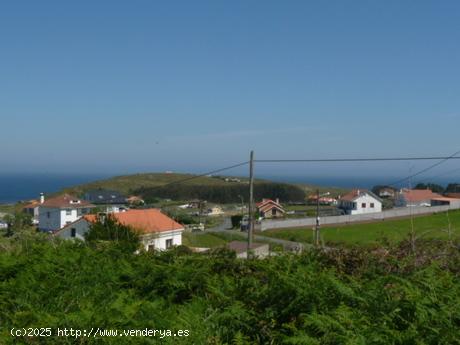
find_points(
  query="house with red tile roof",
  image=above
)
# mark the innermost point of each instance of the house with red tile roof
(157, 231)
(32, 208)
(61, 210)
(268, 208)
(415, 197)
(360, 201)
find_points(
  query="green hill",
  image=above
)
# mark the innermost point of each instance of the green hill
(212, 188)
(129, 184)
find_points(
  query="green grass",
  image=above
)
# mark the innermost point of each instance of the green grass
(431, 226)
(218, 239)
(128, 183)
(202, 240)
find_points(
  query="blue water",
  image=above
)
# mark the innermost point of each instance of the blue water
(16, 187)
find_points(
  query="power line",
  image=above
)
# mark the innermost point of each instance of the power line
(441, 175)
(444, 159)
(354, 159)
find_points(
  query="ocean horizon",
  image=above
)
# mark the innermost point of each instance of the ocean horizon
(23, 187)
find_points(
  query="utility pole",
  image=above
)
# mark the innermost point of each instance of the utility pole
(317, 219)
(251, 202)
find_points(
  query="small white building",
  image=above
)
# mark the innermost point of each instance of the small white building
(360, 202)
(57, 212)
(215, 211)
(157, 231)
(259, 250)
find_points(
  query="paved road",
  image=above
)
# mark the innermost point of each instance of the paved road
(224, 226)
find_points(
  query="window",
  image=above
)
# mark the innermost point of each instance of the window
(73, 232)
(363, 205)
(372, 205)
(48, 214)
(169, 243)
(151, 247)
(68, 212)
(273, 211)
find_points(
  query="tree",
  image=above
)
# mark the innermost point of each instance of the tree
(17, 223)
(109, 229)
(432, 186)
(453, 188)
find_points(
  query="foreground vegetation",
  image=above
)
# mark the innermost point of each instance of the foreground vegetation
(352, 296)
(435, 226)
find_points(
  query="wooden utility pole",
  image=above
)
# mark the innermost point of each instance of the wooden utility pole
(251, 202)
(317, 219)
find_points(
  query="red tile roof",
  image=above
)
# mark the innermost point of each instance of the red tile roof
(453, 195)
(32, 204)
(354, 194)
(415, 195)
(145, 221)
(66, 201)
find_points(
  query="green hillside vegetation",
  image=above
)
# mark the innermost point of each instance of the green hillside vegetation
(229, 193)
(353, 296)
(431, 226)
(163, 185)
(127, 184)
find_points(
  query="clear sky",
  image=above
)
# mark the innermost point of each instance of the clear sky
(127, 86)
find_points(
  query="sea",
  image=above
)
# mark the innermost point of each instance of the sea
(23, 187)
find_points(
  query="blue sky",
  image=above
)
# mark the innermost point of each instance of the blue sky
(127, 86)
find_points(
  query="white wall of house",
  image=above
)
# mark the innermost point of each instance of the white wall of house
(162, 240)
(51, 219)
(157, 241)
(401, 201)
(75, 230)
(363, 204)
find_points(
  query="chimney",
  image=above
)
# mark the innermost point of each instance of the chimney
(42, 198)
(277, 200)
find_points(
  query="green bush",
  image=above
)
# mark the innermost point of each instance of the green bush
(352, 296)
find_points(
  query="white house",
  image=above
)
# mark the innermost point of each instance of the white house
(33, 208)
(157, 230)
(360, 202)
(215, 211)
(57, 212)
(415, 197)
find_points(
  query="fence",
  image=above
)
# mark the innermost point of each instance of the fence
(393, 213)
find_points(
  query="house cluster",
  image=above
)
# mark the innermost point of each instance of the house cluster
(71, 217)
(364, 201)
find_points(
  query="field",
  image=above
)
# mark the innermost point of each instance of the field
(432, 226)
(202, 240)
(218, 239)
